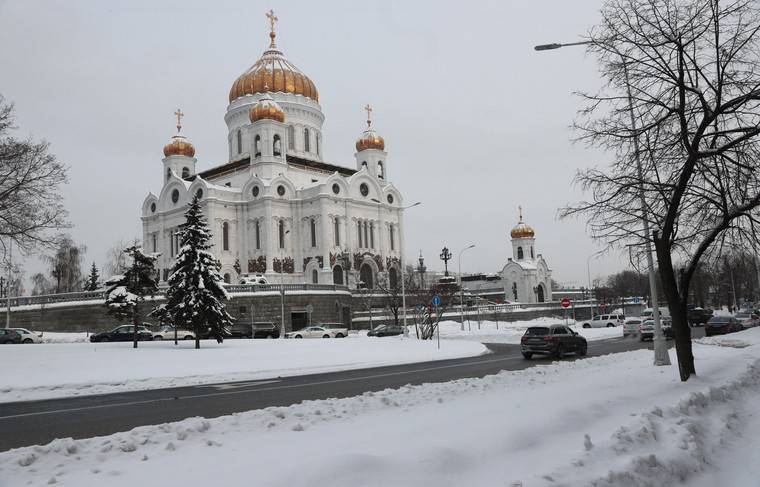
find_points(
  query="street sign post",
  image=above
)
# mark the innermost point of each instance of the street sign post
(436, 301)
(565, 304)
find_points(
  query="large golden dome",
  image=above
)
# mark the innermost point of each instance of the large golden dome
(267, 108)
(522, 229)
(276, 72)
(179, 146)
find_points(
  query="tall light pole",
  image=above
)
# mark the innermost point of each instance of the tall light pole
(8, 291)
(461, 291)
(661, 356)
(401, 254)
(282, 292)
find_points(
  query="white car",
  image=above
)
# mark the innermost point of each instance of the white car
(316, 332)
(254, 279)
(601, 321)
(631, 326)
(28, 336)
(167, 333)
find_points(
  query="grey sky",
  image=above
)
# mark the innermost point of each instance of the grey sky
(475, 121)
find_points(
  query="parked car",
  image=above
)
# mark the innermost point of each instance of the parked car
(698, 316)
(646, 329)
(316, 332)
(649, 312)
(9, 336)
(124, 333)
(338, 329)
(266, 329)
(239, 330)
(556, 340)
(167, 333)
(386, 331)
(720, 325)
(631, 326)
(747, 319)
(601, 321)
(28, 336)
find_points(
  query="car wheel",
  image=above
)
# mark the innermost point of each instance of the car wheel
(610, 325)
(158, 338)
(269, 337)
(586, 325)
(298, 336)
(325, 336)
(527, 355)
(339, 335)
(560, 351)
(189, 337)
(27, 340)
(583, 350)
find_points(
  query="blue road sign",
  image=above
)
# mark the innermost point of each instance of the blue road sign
(436, 301)
(636, 300)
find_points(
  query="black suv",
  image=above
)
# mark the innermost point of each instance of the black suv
(124, 333)
(556, 340)
(266, 329)
(9, 336)
(386, 331)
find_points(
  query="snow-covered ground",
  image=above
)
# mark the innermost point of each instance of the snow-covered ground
(70, 369)
(511, 331)
(614, 420)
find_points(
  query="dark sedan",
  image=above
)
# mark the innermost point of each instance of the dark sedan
(124, 333)
(556, 340)
(386, 331)
(720, 325)
(9, 336)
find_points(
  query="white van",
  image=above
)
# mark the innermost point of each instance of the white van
(647, 313)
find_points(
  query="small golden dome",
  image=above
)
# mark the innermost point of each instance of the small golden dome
(179, 146)
(522, 230)
(276, 72)
(267, 108)
(369, 139)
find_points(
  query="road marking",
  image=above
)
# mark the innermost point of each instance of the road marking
(274, 388)
(237, 385)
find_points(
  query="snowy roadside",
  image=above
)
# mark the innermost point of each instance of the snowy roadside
(71, 369)
(609, 420)
(512, 331)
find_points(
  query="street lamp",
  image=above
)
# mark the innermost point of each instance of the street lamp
(282, 293)
(461, 291)
(401, 258)
(661, 356)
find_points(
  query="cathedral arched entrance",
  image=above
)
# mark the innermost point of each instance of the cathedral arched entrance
(366, 275)
(338, 275)
(540, 295)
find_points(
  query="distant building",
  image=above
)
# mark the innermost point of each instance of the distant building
(526, 277)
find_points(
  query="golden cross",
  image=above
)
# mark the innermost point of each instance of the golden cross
(368, 109)
(179, 115)
(272, 19)
(519, 209)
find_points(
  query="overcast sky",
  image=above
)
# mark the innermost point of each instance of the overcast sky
(475, 121)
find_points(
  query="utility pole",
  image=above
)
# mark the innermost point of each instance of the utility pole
(8, 292)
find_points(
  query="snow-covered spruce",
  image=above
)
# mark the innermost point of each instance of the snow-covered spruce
(195, 298)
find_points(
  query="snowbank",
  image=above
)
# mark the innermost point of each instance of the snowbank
(71, 369)
(512, 331)
(632, 425)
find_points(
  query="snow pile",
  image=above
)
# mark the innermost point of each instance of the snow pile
(56, 370)
(632, 425)
(512, 331)
(723, 341)
(65, 337)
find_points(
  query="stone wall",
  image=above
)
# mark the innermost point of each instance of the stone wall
(327, 307)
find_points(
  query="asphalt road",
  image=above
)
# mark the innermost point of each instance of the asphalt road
(39, 422)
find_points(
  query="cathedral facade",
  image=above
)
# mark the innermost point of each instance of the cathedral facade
(526, 276)
(276, 208)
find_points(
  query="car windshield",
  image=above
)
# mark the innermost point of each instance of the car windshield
(719, 319)
(537, 331)
(742, 316)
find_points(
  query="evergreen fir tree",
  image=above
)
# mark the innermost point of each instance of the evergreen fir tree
(124, 292)
(92, 281)
(195, 298)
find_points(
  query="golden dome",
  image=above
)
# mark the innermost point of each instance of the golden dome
(267, 108)
(276, 72)
(179, 146)
(522, 230)
(369, 139)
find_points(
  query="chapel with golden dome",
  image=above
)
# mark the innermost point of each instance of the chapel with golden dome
(276, 208)
(526, 276)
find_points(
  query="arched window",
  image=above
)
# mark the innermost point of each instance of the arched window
(337, 275)
(257, 145)
(227, 278)
(364, 164)
(336, 231)
(277, 146)
(366, 234)
(185, 173)
(291, 137)
(359, 227)
(225, 236)
(514, 290)
(540, 293)
(313, 226)
(393, 244)
(239, 141)
(380, 171)
(392, 278)
(314, 276)
(281, 230)
(366, 276)
(316, 139)
(306, 141)
(168, 173)
(531, 253)
(519, 253)
(258, 235)
(372, 235)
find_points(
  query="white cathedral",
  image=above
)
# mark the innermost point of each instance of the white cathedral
(526, 277)
(277, 208)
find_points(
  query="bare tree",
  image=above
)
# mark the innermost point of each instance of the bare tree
(690, 68)
(30, 178)
(66, 266)
(40, 284)
(117, 259)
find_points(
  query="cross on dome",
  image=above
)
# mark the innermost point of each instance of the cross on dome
(368, 109)
(519, 210)
(179, 116)
(272, 19)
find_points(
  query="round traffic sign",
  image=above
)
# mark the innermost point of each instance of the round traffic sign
(436, 301)
(565, 303)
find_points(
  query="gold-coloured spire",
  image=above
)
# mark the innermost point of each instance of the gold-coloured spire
(272, 19)
(519, 210)
(179, 116)
(368, 109)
